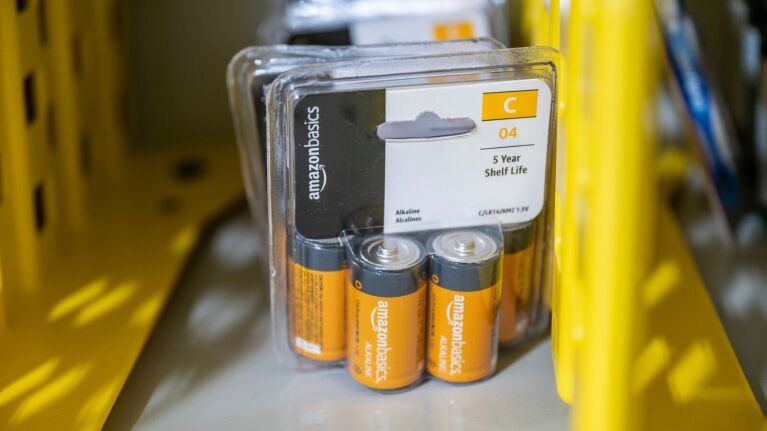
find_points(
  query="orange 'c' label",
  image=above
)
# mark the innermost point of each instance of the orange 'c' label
(507, 105)
(453, 30)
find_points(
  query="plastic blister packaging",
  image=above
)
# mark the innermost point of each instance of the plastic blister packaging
(384, 150)
(253, 69)
(365, 22)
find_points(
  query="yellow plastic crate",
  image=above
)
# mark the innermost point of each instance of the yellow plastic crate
(94, 230)
(636, 341)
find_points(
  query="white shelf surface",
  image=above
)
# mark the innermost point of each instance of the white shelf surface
(209, 365)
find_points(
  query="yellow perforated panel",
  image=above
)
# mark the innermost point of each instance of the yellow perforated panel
(94, 231)
(636, 341)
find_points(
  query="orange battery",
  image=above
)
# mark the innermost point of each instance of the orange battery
(464, 291)
(386, 303)
(518, 253)
(316, 299)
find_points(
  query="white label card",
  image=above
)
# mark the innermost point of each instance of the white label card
(497, 173)
(423, 28)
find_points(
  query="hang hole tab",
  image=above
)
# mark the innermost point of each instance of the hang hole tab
(427, 125)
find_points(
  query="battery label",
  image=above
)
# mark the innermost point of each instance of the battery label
(386, 337)
(306, 346)
(495, 171)
(317, 313)
(461, 339)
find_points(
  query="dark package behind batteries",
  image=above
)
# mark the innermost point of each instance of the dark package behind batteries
(410, 211)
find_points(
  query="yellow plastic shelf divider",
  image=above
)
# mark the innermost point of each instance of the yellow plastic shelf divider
(71, 343)
(686, 374)
(637, 343)
(94, 230)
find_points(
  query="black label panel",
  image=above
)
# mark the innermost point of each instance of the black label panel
(339, 162)
(336, 37)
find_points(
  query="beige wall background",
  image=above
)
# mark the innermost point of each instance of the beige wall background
(178, 55)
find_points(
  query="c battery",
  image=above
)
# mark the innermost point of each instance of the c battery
(386, 303)
(464, 290)
(518, 253)
(316, 299)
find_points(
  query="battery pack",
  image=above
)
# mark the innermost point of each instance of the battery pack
(409, 202)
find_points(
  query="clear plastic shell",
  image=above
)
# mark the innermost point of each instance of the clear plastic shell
(334, 185)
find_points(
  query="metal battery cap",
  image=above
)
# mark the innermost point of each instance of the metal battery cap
(390, 252)
(465, 246)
